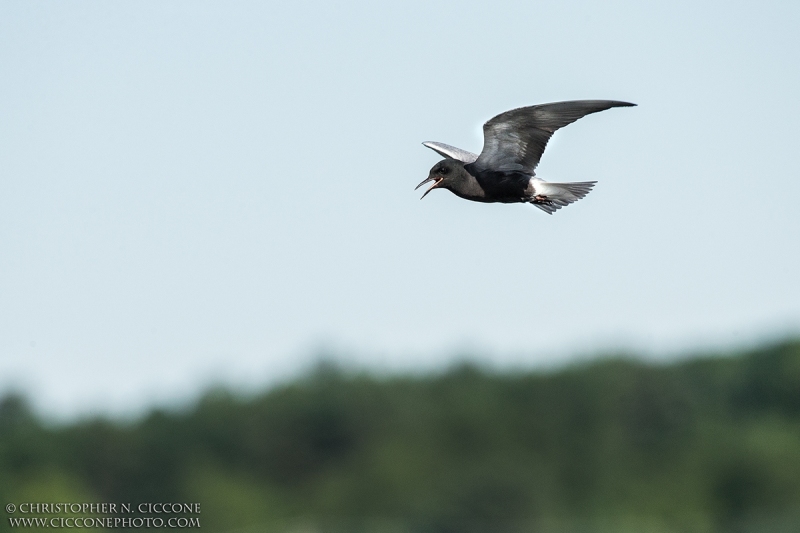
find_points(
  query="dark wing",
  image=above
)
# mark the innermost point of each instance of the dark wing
(515, 140)
(451, 152)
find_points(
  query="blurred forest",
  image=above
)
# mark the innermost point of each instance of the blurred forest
(707, 444)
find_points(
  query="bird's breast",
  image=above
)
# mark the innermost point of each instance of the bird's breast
(504, 186)
(470, 189)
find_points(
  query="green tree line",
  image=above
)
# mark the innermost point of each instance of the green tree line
(707, 444)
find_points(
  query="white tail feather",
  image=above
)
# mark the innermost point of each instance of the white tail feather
(553, 196)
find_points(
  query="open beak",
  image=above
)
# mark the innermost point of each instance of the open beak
(435, 184)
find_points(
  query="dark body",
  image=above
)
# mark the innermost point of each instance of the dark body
(500, 185)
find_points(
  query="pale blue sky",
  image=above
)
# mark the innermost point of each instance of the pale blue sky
(214, 191)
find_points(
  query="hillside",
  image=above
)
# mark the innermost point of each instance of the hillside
(702, 445)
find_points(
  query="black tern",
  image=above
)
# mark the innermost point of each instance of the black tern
(513, 144)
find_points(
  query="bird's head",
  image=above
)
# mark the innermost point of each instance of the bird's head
(446, 174)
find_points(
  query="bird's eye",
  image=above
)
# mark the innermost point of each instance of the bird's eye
(444, 170)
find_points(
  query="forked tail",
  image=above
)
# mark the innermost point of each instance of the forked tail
(550, 197)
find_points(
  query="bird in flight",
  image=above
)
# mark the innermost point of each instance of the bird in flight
(513, 144)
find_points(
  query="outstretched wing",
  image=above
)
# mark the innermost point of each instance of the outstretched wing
(451, 152)
(515, 140)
